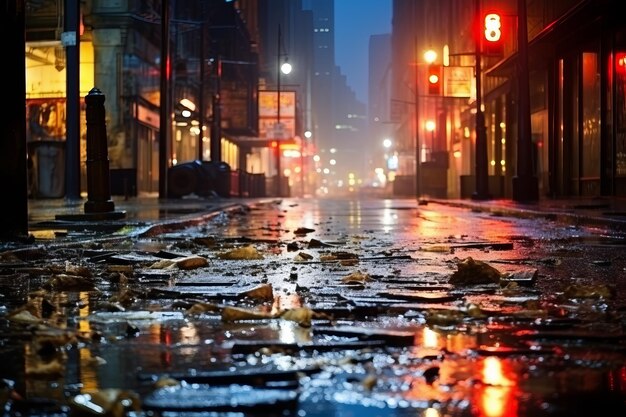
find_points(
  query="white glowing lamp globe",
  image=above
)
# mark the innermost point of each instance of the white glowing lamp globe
(285, 68)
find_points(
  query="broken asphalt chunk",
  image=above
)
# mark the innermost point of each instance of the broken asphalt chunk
(184, 263)
(248, 252)
(302, 231)
(64, 282)
(524, 278)
(471, 272)
(315, 243)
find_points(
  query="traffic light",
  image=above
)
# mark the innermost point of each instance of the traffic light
(434, 79)
(492, 31)
(620, 63)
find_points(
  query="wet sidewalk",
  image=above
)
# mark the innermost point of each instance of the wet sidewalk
(56, 218)
(599, 212)
(148, 211)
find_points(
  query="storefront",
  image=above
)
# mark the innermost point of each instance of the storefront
(46, 114)
(577, 106)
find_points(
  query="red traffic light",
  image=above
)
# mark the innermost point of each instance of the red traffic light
(492, 31)
(493, 27)
(620, 63)
(434, 79)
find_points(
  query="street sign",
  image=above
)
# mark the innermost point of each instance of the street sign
(457, 81)
(268, 114)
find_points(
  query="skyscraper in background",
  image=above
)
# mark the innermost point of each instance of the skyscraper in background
(339, 118)
(379, 99)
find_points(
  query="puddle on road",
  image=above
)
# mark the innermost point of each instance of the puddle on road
(381, 333)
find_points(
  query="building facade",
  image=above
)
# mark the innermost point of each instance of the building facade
(553, 104)
(210, 74)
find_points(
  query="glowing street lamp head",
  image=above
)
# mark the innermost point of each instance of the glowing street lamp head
(430, 56)
(285, 68)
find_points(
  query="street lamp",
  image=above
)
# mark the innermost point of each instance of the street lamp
(285, 68)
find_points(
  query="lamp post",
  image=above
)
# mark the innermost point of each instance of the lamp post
(285, 68)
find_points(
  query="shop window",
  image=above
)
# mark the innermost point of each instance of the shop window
(590, 151)
(46, 119)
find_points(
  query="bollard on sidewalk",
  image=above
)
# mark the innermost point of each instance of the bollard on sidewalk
(99, 205)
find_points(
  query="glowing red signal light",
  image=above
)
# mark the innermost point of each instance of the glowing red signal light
(620, 62)
(493, 27)
(434, 79)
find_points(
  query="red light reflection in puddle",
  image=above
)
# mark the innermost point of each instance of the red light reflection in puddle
(497, 395)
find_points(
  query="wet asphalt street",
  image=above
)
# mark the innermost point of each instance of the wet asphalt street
(304, 307)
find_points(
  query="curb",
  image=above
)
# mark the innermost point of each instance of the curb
(547, 214)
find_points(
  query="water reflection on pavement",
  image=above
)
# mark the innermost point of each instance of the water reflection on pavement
(360, 319)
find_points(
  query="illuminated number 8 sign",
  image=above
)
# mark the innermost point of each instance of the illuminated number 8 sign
(493, 27)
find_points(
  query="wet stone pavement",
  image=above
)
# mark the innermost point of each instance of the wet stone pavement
(317, 308)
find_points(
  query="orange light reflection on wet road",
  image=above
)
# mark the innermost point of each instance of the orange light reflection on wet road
(496, 397)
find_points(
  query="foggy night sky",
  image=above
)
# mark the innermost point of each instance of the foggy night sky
(355, 21)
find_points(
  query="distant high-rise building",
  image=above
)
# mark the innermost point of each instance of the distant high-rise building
(323, 68)
(379, 98)
(339, 118)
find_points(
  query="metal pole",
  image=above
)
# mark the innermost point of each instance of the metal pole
(201, 101)
(278, 185)
(482, 173)
(164, 113)
(525, 184)
(216, 131)
(71, 41)
(418, 174)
